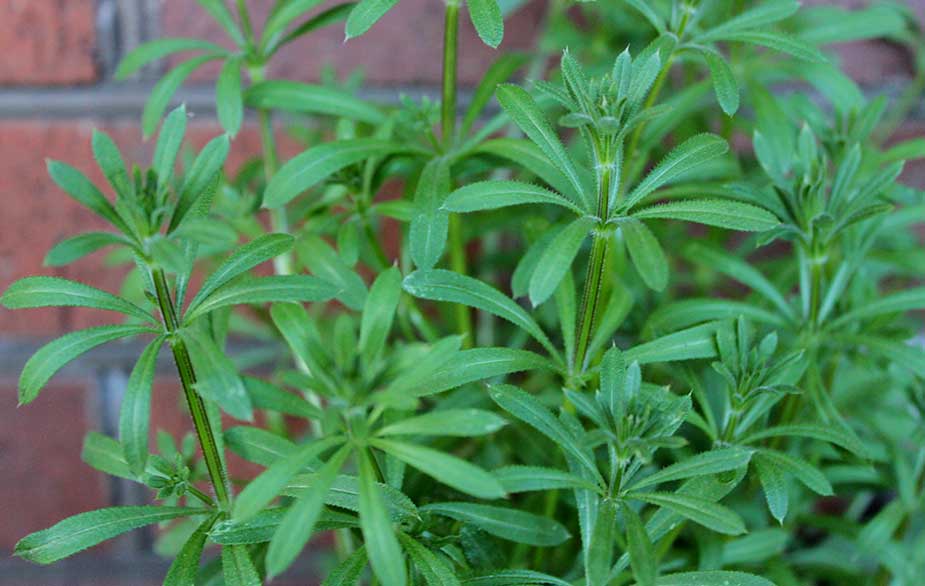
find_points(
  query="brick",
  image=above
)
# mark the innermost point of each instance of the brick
(402, 48)
(45, 479)
(47, 42)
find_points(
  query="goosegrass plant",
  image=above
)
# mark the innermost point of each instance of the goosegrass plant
(574, 339)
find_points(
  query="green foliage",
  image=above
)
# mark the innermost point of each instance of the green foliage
(668, 405)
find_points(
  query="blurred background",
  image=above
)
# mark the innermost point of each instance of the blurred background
(57, 84)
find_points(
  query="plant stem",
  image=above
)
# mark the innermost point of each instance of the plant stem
(197, 407)
(590, 298)
(448, 117)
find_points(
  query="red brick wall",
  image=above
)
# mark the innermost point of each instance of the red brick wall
(49, 46)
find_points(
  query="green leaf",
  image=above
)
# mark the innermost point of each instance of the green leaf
(267, 486)
(516, 479)
(682, 159)
(158, 49)
(800, 469)
(345, 494)
(135, 414)
(282, 16)
(299, 522)
(105, 454)
(477, 364)
(714, 212)
(109, 160)
(218, 11)
(515, 578)
(692, 343)
(705, 512)
(199, 180)
(760, 16)
(724, 81)
(164, 90)
(303, 98)
(447, 422)
(326, 264)
(258, 445)
(428, 232)
(712, 462)
(256, 290)
(689, 312)
(646, 253)
(364, 15)
(640, 548)
(436, 570)
(643, 8)
(532, 158)
(509, 524)
(445, 468)
(441, 285)
(32, 292)
(169, 141)
(216, 376)
(739, 270)
(243, 259)
(185, 566)
(830, 434)
(272, 398)
(51, 357)
(599, 549)
(712, 578)
(613, 381)
(381, 544)
(529, 410)
(228, 100)
(525, 113)
(378, 314)
(238, 568)
(318, 163)
(492, 195)
(332, 15)
(774, 485)
(77, 247)
(779, 42)
(348, 571)
(900, 302)
(557, 259)
(487, 19)
(76, 184)
(79, 532)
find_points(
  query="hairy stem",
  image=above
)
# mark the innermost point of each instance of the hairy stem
(590, 298)
(448, 118)
(197, 407)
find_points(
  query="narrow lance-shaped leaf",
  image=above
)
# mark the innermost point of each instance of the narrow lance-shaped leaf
(135, 414)
(185, 566)
(436, 570)
(109, 160)
(516, 479)
(557, 259)
(640, 548)
(445, 468)
(378, 314)
(242, 260)
(365, 14)
(324, 262)
(712, 462)
(692, 343)
(299, 522)
(774, 484)
(158, 49)
(278, 288)
(599, 550)
(76, 184)
(646, 253)
(267, 486)
(77, 247)
(487, 19)
(290, 96)
(238, 568)
(283, 14)
(511, 524)
(169, 141)
(164, 90)
(228, 100)
(705, 512)
(427, 234)
(685, 157)
(199, 180)
(32, 292)
(491, 195)
(348, 571)
(50, 358)
(761, 15)
(382, 546)
(527, 115)
(499, 72)
(447, 422)
(713, 578)
(216, 376)
(85, 530)
(441, 285)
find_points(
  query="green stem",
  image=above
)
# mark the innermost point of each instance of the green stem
(197, 407)
(245, 17)
(448, 116)
(590, 298)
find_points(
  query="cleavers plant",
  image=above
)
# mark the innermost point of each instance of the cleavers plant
(520, 360)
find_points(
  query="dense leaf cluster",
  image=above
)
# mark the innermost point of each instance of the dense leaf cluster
(555, 377)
